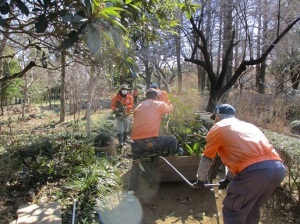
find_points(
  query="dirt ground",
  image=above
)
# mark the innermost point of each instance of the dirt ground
(164, 202)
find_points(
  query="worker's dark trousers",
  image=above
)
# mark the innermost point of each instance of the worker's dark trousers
(251, 188)
(164, 144)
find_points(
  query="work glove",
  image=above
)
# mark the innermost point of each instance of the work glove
(198, 184)
(223, 183)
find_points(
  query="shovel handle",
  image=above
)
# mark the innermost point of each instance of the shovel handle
(211, 185)
(186, 180)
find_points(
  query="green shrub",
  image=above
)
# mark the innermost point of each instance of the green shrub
(295, 127)
(186, 125)
(105, 132)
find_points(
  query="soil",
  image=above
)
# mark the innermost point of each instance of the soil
(166, 202)
(161, 202)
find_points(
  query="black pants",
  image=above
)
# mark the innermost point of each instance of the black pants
(163, 145)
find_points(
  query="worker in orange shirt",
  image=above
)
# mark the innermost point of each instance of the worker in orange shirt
(255, 168)
(163, 95)
(145, 133)
(121, 105)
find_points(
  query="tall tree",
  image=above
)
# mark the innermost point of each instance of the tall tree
(219, 85)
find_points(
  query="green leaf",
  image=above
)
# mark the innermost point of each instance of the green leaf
(118, 24)
(47, 3)
(88, 6)
(95, 4)
(189, 149)
(3, 22)
(70, 40)
(41, 24)
(2, 2)
(4, 9)
(110, 11)
(22, 7)
(196, 146)
(82, 28)
(67, 18)
(73, 36)
(188, 15)
(93, 39)
(36, 10)
(78, 19)
(132, 72)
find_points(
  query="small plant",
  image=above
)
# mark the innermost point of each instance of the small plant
(186, 126)
(105, 132)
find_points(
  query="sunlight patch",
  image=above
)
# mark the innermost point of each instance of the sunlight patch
(119, 208)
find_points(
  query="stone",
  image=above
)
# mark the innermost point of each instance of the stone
(47, 213)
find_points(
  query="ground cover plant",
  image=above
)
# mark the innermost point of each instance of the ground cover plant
(63, 161)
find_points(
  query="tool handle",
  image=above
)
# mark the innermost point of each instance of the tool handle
(186, 180)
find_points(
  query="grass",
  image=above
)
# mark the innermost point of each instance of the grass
(58, 164)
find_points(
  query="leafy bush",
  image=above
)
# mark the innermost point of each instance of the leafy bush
(68, 162)
(289, 151)
(104, 132)
(295, 127)
(186, 125)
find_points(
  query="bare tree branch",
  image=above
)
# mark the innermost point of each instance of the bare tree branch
(19, 74)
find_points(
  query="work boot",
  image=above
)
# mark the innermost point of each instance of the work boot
(120, 138)
(125, 138)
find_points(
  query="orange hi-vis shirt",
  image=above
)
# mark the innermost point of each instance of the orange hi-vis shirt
(163, 96)
(125, 101)
(239, 144)
(147, 118)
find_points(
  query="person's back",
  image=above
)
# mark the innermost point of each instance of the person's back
(147, 118)
(145, 134)
(247, 153)
(239, 144)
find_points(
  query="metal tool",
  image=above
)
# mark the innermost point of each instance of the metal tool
(186, 180)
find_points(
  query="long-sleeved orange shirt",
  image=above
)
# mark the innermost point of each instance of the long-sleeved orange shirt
(163, 96)
(147, 118)
(125, 101)
(239, 144)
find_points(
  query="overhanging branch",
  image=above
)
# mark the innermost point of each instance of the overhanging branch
(19, 74)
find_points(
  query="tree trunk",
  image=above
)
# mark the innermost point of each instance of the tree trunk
(2, 45)
(178, 53)
(63, 86)
(227, 7)
(258, 46)
(213, 98)
(262, 74)
(92, 81)
(25, 95)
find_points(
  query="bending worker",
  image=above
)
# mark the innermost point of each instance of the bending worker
(256, 167)
(145, 133)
